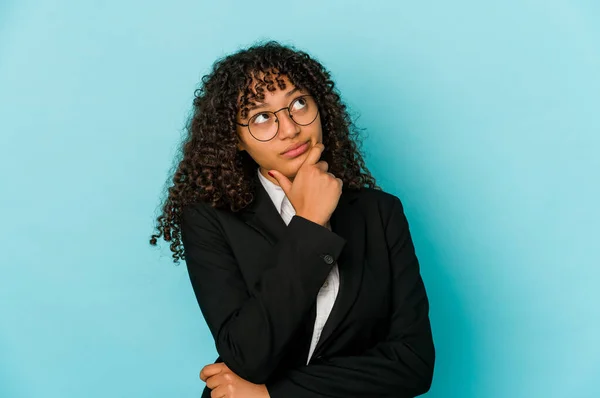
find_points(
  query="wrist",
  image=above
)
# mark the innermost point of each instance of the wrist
(265, 391)
(314, 219)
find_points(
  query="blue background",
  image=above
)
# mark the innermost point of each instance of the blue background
(483, 117)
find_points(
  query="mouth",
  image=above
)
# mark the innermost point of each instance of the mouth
(296, 150)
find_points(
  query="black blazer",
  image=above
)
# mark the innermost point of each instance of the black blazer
(256, 281)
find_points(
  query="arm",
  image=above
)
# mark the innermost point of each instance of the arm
(253, 327)
(401, 366)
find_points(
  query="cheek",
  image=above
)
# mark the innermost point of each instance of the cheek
(319, 128)
(262, 154)
(242, 139)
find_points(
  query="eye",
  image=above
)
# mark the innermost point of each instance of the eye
(299, 104)
(260, 118)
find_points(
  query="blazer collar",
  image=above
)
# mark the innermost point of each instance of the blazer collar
(262, 215)
(347, 221)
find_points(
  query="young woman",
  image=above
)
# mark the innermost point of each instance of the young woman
(303, 268)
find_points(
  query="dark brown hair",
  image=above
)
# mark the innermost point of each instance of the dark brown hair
(213, 170)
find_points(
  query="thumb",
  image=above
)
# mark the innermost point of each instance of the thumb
(283, 181)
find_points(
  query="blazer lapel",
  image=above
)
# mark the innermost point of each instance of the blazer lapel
(262, 215)
(348, 222)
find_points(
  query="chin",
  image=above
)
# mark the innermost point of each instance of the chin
(295, 164)
(291, 174)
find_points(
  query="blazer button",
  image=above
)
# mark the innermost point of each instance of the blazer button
(328, 259)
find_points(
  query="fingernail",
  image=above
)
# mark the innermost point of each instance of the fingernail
(271, 174)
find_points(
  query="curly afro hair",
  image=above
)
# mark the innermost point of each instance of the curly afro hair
(213, 170)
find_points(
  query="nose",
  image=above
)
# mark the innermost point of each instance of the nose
(287, 127)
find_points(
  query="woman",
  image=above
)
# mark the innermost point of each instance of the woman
(303, 268)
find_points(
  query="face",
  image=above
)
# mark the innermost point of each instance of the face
(275, 153)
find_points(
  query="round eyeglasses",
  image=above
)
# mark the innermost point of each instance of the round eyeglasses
(264, 126)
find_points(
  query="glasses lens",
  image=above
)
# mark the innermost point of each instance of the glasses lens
(263, 126)
(303, 110)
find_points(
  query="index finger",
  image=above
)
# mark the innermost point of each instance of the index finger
(314, 154)
(210, 370)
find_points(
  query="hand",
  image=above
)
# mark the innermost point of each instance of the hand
(315, 192)
(226, 384)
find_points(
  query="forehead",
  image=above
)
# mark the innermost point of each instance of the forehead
(265, 84)
(262, 86)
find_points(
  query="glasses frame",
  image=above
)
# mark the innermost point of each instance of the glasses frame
(277, 118)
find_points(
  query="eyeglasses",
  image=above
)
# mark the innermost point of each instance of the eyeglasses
(264, 126)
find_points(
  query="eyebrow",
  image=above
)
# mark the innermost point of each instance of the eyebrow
(264, 105)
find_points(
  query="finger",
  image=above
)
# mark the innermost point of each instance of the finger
(322, 165)
(338, 179)
(315, 154)
(283, 181)
(210, 370)
(219, 392)
(214, 381)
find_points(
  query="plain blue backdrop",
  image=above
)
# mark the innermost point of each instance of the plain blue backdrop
(483, 117)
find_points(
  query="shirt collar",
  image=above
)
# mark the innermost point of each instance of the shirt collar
(275, 191)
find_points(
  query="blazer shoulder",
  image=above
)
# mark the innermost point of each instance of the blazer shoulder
(200, 214)
(383, 200)
(197, 209)
(204, 216)
(379, 204)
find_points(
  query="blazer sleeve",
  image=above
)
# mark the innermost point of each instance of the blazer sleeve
(401, 366)
(253, 326)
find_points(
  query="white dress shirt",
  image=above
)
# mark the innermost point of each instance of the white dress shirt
(329, 291)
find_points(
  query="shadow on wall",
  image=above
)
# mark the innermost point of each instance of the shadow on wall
(458, 356)
(453, 327)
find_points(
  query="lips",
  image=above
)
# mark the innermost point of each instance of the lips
(296, 150)
(292, 147)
